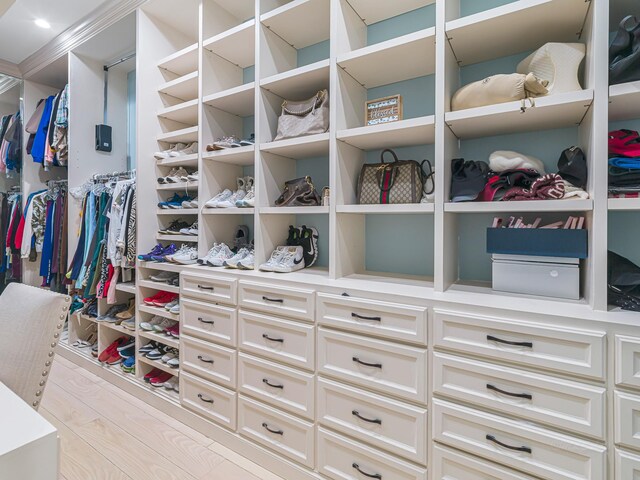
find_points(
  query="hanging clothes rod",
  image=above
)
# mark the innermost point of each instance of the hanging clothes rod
(110, 176)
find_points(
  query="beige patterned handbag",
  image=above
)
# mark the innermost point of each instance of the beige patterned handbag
(307, 117)
(400, 181)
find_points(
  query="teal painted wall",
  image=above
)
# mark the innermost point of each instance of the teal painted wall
(404, 24)
(313, 53)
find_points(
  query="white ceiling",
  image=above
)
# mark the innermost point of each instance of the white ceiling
(20, 37)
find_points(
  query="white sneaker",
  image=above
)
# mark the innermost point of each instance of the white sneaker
(175, 309)
(161, 326)
(148, 326)
(192, 177)
(172, 172)
(247, 262)
(192, 230)
(220, 257)
(232, 200)
(210, 254)
(233, 261)
(177, 176)
(292, 260)
(190, 203)
(274, 260)
(222, 196)
(171, 384)
(170, 305)
(249, 199)
(166, 153)
(181, 251)
(188, 150)
(189, 257)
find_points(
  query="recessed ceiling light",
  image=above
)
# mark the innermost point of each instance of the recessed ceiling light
(42, 23)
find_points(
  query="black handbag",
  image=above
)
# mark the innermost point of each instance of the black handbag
(623, 281)
(624, 52)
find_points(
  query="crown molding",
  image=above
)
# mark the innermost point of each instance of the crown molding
(9, 68)
(99, 20)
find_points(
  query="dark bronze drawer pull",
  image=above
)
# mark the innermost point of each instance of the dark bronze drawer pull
(370, 475)
(208, 322)
(361, 317)
(273, 300)
(272, 385)
(493, 439)
(491, 338)
(205, 288)
(270, 430)
(516, 395)
(204, 360)
(367, 364)
(369, 420)
(271, 339)
(204, 399)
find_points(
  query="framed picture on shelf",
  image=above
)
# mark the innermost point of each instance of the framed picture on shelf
(383, 110)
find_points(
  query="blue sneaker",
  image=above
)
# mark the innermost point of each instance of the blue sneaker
(175, 201)
(128, 353)
(170, 250)
(147, 257)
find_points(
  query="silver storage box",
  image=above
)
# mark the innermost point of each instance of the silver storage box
(545, 276)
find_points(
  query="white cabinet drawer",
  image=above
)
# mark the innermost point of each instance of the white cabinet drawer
(209, 287)
(209, 400)
(383, 422)
(534, 344)
(288, 301)
(213, 323)
(281, 386)
(517, 444)
(277, 430)
(209, 361)
(281, 340)
(628, 361)
(452, 465)
(374, 317)
(627, 466)
(343, 459)
(560, 403)
(627, 424)
(384, 366)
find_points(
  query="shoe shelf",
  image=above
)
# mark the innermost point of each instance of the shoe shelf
(128, 287)
(624, 203)
(186, 112)
(624, 101)
(159, 286)
(239, 100)
(555, 111)
(300, 82)
(373, 12)
(177, 211)
(237, 45)
(182, 62)
(516, 27)
(159, 311)
(294, 210)
(177, 238)
(403, 208)
(87, 318)
(406, 57)
(169, 395)
(301, 147)
(160, 366)
(163, 266)
(185, 87)
(178, 186)
(413, 131)
(521, 206)
(184, 135)
(234, 156)
(228, 211)
(160, 338)
(300, 23)
(116, 328)
(182, 161)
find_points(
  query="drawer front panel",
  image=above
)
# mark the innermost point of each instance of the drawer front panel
(383, 422)
(213, 323)
(281, 340)
(287, 301)
(209, 287)
(277, 430)
(209, 361)
(533, 344)
(627, 466)
(209, 400)
(281, 386)
(452, 465)
(627, 424)
(558, 403)
(343, 459)
(520, 445)
(373, 317)
(628, 361)
(384, 366)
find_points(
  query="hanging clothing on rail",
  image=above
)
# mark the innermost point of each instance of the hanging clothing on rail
(48, 127)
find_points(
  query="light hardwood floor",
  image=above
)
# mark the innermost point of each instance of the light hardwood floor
(107, 434)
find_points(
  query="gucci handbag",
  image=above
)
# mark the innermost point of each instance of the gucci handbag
(307, 117)
(299, 193)
(399, 181)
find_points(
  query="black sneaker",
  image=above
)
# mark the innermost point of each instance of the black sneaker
(174, 228)
(309, 243)
(241, 238)
(295, 234)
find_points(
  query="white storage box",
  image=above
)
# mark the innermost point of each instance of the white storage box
(531, 275)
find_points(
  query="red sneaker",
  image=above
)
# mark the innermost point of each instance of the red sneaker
(173, 331)
(152, 374)
(167, 298)
(158, 296)
(112, 349)
(160, 380)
